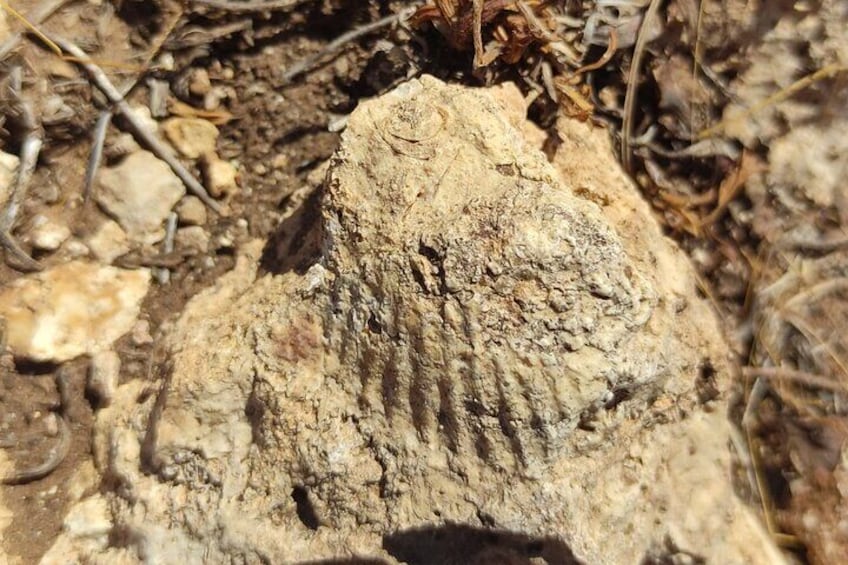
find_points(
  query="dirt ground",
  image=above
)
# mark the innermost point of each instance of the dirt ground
(771, 75)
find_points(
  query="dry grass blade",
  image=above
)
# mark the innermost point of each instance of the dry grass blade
(633, 82)
(44, 11)
(794, 375)
(797, 86)
(731, 186)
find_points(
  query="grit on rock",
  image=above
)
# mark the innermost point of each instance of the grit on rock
(488, 350)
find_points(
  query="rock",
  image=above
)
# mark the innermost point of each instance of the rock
(108, 242)
(139, 193)
(199, 83)
(104, 372)
(192, 211)
(47, 234)
(141, 333)
(8, 174)
(192, 137)
(74, 309)
(119, 146)
(75, 249)
(475, 353)
(221, 176)
(194, 238)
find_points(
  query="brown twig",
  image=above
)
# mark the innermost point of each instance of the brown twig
(144, 135)
(477, 33)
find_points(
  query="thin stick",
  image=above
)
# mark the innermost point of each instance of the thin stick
(30, 149)
(477, 33)
(800, 84)
(96, 152)
(250, 6)
(147, 137)
(163, 275)
(633, 82)
(336, 45)
(803, 377)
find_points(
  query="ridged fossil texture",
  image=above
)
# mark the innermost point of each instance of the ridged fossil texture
(474, 295)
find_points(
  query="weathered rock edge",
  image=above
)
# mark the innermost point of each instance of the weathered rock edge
(476, 350)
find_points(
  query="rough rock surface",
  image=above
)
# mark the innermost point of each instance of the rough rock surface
(477, 364)
(74, 309)
(139, 193)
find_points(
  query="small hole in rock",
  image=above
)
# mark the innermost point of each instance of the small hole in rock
(305, 511)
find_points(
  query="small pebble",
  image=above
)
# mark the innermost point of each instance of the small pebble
(140, 333)
(47, 234)
(192, 211)
(108, 242)
(220, 176)
(192, 137)
(192, 237)
(103, 375)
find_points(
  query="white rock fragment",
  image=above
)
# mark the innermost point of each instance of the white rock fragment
(75, 249)
(221, 176)
(139, 193)
(86, 530)
(192, 211)
(194, 238)
(108, 242)
(140, 334)
(192, 137)
(103, 375)
(73, 309)
(47, 234)
(8, 173)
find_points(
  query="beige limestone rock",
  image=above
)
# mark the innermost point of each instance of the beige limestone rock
(104, 372)
(193, 238)
(478, 364)
(8, 173)
(108, 242)
(139, 193)
(192, 137)
(192, 211)
(220, 176)
(48, 233)
(70, 310)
